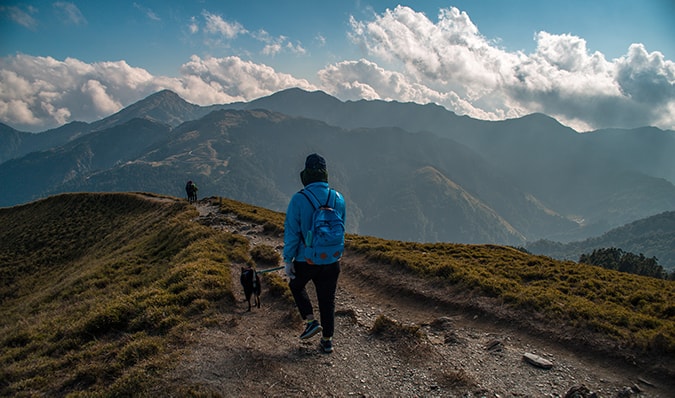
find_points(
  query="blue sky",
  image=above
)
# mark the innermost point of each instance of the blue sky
(589, 64)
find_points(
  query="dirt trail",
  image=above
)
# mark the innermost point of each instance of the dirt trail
(455, 354)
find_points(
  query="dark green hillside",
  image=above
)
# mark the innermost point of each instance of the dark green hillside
(41, 173)
(653, 236)
(11, 141)
(442, 203)
(14, 144)
(98, 291)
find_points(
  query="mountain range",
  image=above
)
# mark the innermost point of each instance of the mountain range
(409, 171)
(653, 236)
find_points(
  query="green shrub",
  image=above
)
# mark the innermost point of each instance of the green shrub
(265, 255)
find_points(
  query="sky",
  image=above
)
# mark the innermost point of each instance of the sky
(590, 64)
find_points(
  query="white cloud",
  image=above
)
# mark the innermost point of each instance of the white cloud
(295, 48)
(148, 12)
(320, 40)
(215, 24)
(371, 78)
(235, 79)
(69, 13)
(22, 17)
(449, 57)
(217, 30)
(275, 45)
(363, 79)
(271, 49)
(100, 99)
(193, 27)
(646, 77)
(409, 58)
(561, 78)
(42, 92)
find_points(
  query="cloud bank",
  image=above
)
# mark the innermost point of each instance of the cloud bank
(407, 57)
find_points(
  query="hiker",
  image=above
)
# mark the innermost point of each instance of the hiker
(191, 190)
(300, 265)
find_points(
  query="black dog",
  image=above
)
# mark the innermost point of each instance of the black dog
(251, 283)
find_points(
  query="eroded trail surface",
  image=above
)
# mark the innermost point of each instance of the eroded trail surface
(435, 349)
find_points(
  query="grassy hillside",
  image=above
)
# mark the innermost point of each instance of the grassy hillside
(99, 293)
(652, 236)
(623, 309)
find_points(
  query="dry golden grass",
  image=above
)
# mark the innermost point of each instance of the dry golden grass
(272, 221)
(386, 327)
(632, 310)
(98, 290)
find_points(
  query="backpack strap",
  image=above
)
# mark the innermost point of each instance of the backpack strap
(315, 203)
(330, 191)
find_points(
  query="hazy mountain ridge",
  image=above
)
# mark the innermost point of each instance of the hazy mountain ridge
(42, 173)
(653, 236)
(446, 203)
(533, 174)
(14, 143)
(164, 107)
(542, 156)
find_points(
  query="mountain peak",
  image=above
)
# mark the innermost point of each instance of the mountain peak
(294, 101)
(164, 106)
(163, 95)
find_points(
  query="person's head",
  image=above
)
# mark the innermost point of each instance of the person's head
(315, 170)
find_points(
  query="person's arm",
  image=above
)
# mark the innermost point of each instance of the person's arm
(292, 230)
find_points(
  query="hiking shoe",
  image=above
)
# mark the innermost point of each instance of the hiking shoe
(326, 345)
(311, 329)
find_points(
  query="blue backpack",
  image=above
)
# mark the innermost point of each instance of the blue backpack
(325, 240)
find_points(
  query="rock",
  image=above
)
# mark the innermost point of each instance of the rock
(453, 338)
(494, 345)
(643, 381)
(626, 392)
(537, 361)
(441, 323)
(580, 392)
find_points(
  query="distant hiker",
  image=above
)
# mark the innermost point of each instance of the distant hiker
(313, 245)
(191, 190)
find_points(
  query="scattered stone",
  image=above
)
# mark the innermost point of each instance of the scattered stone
(626, 392)
(537, 361)
(494, 345)
(645, 382)
(580, 392)
(442, 323)
(435, 339)
(453, 339)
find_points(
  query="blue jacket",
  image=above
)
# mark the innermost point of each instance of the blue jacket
(299, 219)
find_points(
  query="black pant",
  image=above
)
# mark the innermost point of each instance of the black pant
(325, 278)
